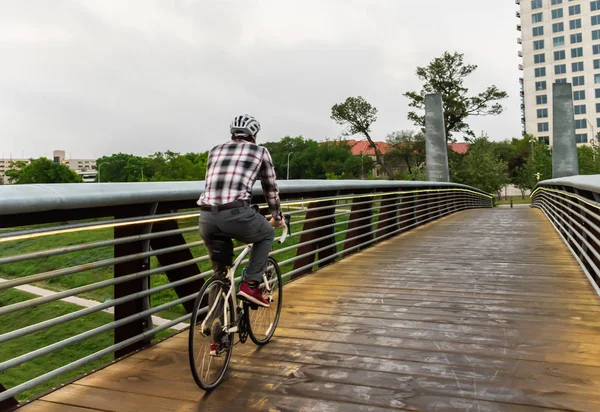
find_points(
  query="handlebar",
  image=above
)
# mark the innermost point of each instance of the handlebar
(286, 228)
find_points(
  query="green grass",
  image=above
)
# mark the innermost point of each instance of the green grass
(30, 267)
(28, 343)
(40, 339)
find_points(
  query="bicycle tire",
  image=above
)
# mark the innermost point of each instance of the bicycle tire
(258, 337)
(205, 384)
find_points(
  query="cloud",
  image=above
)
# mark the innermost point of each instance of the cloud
(96, 78)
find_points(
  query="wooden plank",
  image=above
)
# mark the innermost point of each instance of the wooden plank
(462, 296)
(448, 310)
(488, 305)
(118, 400)
(259, 382)
(482, 309)
(443, 366)
(144, 378)
(570, 326)
(585, 355)
(45, 406)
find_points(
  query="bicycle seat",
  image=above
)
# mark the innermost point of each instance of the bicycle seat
(222, 249)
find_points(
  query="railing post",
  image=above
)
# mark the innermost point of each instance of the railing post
(596, 234)
(420, 206)
(571, 238)
(438, 209)
(176, 257)
(387, 210)
(8, 404)
(580, 220)
(126, 309)
(323, 217)
(447, 203)
(407, 215)
(363, 212)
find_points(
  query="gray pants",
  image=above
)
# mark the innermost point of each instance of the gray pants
(245, 225)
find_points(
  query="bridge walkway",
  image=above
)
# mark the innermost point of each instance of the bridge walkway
(481, 310)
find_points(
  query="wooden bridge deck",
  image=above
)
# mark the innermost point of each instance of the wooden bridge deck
(482, 310)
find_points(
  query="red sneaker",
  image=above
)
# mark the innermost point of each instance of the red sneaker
(252, 295)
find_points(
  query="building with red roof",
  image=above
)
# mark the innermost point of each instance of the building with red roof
(363, 147)
(459, 148)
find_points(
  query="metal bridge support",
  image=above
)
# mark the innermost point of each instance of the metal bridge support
(387, 210)
(130, 287)
(421, 200)
(407, 210)
(9, 403)
(176, 257)
(323, 217)
(359, 235)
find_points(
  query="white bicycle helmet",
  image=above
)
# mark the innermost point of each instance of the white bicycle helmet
(244, 125)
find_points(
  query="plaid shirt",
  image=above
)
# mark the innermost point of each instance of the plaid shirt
(231, 171)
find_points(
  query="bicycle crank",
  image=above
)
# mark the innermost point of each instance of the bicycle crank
(243, 328)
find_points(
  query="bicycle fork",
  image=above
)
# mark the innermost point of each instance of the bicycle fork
(226, 329)
(268, 288)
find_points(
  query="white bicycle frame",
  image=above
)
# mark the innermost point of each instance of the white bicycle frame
(230, 272)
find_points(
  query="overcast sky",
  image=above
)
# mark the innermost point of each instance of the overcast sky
(98, 77)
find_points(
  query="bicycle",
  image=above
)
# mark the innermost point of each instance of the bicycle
(217, 298)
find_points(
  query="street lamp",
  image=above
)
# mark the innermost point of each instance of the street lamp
(288, 166)
(532, 140)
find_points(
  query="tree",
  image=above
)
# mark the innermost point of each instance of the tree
(481, 167)
(172, 166)
(310, 159)
(168, 166)
(41, 170)
(408, 147)
(121, 167)
(540, 161)
(515, 153)
(359, 115)
(589, 159)
(446, 75)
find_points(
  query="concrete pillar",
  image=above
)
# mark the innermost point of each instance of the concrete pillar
(564, 145)
(436, 148)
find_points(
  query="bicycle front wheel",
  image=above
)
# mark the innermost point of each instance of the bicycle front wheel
(210, 346)
(263, 321)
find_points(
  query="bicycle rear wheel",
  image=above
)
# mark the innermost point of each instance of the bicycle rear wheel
(209, 349)
(261, 321)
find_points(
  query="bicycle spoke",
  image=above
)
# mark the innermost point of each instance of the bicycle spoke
(263, 321)
(211, 341)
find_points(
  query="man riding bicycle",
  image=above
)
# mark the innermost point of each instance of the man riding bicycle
(231, 170)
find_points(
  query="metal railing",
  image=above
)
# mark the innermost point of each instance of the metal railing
(572, 204)
(133, 250)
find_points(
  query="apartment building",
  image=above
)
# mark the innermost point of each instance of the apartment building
(86, 168)
(560, 41)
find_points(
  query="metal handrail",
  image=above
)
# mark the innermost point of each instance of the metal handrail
(407, 205)
(581, 237)
(582, 257)
(572, 206)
